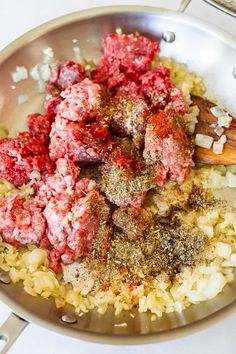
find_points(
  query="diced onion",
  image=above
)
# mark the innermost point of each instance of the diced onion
(45, 72)
(217, 111)
(204, 141)
(214, 285)
(76, 50)
(233, 258)
(219, 130)
(218, 148)
(48, 55)
(232, 168)
(222, 139)
(34, 73)
(21, 73)
(119, 30)
(41, 86)
(35, 175)
(48, 52)
(231, 179)
(22, 99)
(224, 121)
(223, 250)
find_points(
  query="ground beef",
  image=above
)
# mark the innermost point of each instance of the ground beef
(125, 177)
(22, 155)
(128, 88)
(81, 102)
(156, 85)
(66, 73)
(89, 143)
(22, 221)
(133, 221)
(40, 126)
(125, 56)
(166, 142)
(74, 221)
(64, 179)
(129, 115)
(52, 99)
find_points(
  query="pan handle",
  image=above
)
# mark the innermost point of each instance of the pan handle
(183, 5)
(10, 330)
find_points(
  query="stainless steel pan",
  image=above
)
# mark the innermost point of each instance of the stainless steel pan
(208, 51)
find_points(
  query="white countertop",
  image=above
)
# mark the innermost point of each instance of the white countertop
(19, 16)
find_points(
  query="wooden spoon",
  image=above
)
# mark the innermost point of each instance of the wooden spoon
(205, 120)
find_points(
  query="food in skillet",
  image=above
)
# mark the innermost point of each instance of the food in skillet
(100, 201)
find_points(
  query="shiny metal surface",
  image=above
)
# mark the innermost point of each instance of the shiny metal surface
(10, 330)
(208, 51)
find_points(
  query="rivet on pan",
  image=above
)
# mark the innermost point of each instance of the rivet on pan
(234, 72)
(69, 319)
(4, 278)
(168, 36)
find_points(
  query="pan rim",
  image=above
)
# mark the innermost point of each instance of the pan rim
(139, 339)
(108, 10)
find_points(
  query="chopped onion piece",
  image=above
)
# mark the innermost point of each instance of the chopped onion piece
(41, 86)
(222, 139)
(74, 40)
(223, 250)
(78, 57)
(218, 148)
(35, 175)
(48, 55)
(224, 121)
(45, 72)
(217, 111)
(232, 168)
(21, 73)
(34, 73)
(119, 30)
(22, 99)
(231, 179)
(87, 67)
(48, 52)
(204, 141)
(219, 131)
(76, 50)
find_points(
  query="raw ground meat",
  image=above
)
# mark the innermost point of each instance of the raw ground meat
(125, 56)
(158, 88)
(81, 102)
(129, 115)
(66, 73)
(125, 178)
(40, 126)
(52, 99)
(88, 143)
(88, 122)
(63, 180)
(22, 221)
(21, 156)
(133, 221)
(128, 88)
(74, 221)
(167, 142)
